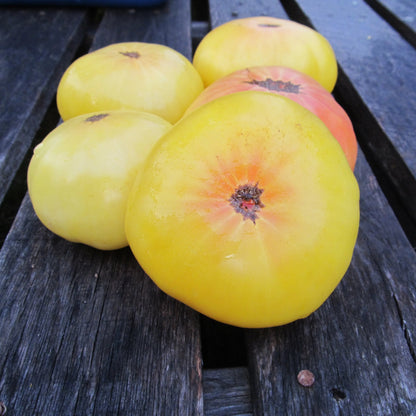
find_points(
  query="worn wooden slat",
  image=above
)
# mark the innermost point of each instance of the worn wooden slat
(86, 332)
(227, 392)
(360, 343)
(400, 13)
(380, 68)
(403, 9)
(221, 11)
(379, 65)
(30, 67)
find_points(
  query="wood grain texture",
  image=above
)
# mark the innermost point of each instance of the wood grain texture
(379, 65)
(402, 9)
(401, 14)
(227, 392)
(222, 11)
(86, 332)
(30, 68)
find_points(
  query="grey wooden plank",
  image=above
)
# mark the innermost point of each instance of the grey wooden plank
(405, 10)
(400, 13)
(360, 343)
(227, 392)
(86, 332)
(379, 65)
(223, 11)
(30, 67)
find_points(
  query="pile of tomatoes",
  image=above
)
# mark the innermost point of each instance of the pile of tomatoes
(230, 178)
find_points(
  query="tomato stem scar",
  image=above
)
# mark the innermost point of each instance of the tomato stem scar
(96, 117)
(246, 201)
(276, 85)
(268, 25)
(132, 54)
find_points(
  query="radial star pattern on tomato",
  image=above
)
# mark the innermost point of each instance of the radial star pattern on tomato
(247, 217)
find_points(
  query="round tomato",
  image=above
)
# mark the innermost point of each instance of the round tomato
(131, 75)
(80, 175)
(264, 41)
(294, 85)
(249, 218)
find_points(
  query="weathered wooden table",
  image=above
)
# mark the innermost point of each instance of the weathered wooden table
(85, 332)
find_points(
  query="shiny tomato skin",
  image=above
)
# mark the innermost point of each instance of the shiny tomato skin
(265, 41)
(80, 175)
(294, 85)
(129, 76)
(264, 261)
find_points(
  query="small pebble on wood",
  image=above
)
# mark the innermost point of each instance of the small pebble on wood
(306, 378)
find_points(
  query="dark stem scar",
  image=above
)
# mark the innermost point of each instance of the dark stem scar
(133, 54)
(268, 25)
(96, 117)
(276, 85)
(246, 201)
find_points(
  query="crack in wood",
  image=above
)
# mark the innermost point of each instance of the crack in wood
(406, 333)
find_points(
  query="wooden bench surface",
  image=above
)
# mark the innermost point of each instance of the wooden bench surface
(86, 332)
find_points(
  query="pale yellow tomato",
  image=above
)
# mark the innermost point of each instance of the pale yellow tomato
(265, 41)
(132, 75)
(80, 175)
(247, 217)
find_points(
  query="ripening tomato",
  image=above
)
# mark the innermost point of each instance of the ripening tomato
(294, 85)
(80, 175)
(132, 75)
(249, 218)
(265, 41)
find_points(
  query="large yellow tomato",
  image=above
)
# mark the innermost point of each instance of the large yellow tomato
(265, 41)
(131, 75)
(247, 217)
(80, 175)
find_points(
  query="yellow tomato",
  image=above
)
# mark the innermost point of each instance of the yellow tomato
(265, 41)
(80, 175)
(131, 75)
(248, 217)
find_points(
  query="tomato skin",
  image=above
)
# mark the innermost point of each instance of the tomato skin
(80, 175)
(265, 41)
(273, 267)
(294, 85)
(131, 76)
